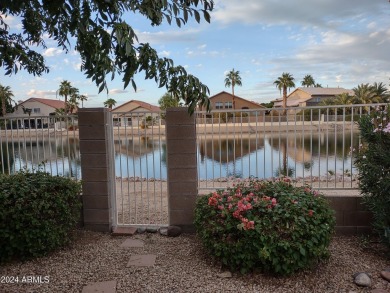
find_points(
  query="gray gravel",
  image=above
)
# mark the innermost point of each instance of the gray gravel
(182, 266)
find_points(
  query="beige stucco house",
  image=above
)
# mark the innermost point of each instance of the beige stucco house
(34, 112)
(224, 101)
(310, 96)
(134, 113)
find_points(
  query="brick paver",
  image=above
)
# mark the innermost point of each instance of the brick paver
(100, 287)
(145, 260)
(132, 243)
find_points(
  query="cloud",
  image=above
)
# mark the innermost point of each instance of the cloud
(51, 52)
(168, 36)
(118, 91)
(164, 53)
(280, 12)
(76, 66)
(40, 94)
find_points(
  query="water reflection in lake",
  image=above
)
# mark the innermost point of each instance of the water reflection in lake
(284, 154)
(252, 155)
(58, 156)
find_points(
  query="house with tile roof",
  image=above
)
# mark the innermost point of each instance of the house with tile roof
(134, 113)
(310, 96)
(34, 112)
(224, 101)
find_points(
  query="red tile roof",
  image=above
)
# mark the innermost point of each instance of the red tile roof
(141, 104)
(57, 104)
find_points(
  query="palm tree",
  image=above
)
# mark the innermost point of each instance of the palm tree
(109, 103)
(363, 94)
(5, 97)
(82, 98)
(65, 90)
(232, 79)
(308, 81)
(284, 82)
(380, 93)
(73, 103)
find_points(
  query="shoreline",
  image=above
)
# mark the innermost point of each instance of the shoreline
(202, 129)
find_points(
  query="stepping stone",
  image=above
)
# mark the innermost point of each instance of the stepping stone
(100, 287)
(132, 243)
(124, 231)
(385, 275)
(145, 260)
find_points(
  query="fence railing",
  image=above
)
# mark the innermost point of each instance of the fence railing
(310, 145)
(47, 143)
(140, 168)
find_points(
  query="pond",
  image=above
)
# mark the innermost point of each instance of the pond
(145, 157)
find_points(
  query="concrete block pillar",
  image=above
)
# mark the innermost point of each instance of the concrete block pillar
(181, 167)
(97, 161)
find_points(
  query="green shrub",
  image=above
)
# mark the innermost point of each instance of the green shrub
(37, 213)
(373, 163)
(271, 226)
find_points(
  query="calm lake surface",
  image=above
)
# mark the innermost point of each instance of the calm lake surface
(145, 157)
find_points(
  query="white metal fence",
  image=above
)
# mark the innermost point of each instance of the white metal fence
(140, 169)
(47, 143)
(310, 145)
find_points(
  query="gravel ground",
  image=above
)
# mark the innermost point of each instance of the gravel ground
(183, 266)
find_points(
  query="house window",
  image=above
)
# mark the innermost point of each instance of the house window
(229, 105)
(116, 121)
(218, 105)
(37, 110)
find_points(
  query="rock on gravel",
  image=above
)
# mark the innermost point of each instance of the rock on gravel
(362, 279)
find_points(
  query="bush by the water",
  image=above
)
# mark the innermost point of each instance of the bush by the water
(373, 162)
(37, 213)
(267, 225)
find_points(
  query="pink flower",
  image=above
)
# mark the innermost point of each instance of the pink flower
(236, 214)
(220, 207)
(273, 201)
(311, 213)
(213, 201)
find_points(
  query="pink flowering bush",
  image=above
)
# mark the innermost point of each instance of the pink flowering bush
(267, 225)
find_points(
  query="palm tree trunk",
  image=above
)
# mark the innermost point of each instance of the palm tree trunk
(284, 101)
(3, 107)
(234, 102)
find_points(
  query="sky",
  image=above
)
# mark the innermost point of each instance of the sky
(340, 43)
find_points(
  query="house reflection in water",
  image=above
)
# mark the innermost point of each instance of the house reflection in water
(229, 149)
(306, 148)
(138, 147)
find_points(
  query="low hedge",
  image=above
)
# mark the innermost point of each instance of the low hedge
(37, 213)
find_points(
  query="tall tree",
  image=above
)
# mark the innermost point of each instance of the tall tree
(363, 94)
(284, 82)
(107, 44)
(308, 81)
(380, 93)
(6, 95)
(109, 103)
(65, 90)
(167, 101)
(73, 101)
(82, 98)
(232, 79)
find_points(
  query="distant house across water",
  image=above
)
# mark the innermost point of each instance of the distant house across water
(224, 101)
(34, 112)
(310, 96)
(134, 112)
